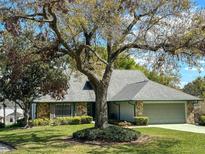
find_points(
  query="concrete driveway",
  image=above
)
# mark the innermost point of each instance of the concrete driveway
(4, 148)
(182, 127)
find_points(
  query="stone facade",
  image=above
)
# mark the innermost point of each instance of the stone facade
(190, 112)
(139, 108)
(81, 109)
(43, 110)
(202, 107)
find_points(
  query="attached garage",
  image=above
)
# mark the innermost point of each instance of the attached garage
(165, 112)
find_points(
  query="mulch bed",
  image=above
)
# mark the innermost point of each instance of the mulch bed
(143, 139)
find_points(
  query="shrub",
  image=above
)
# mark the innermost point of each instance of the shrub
(86, 119)
(40, 122)
(20, 122)
(202, 120)
(141, 120)
(75, 120)
(55, 122)
(2, 125)
(111, 133)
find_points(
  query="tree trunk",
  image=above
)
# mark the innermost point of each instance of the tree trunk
(101, 107)
(15, 111)
(101, 99)
(26, 115)
(4, 114)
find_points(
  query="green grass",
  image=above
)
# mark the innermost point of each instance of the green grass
(50, 140)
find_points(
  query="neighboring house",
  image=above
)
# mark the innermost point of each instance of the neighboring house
(130, 94)
(10, 113)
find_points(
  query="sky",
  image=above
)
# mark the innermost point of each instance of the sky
(189, 74)
(200, 2)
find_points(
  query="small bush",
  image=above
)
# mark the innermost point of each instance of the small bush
(111, 133)
(20, 122)
(55, 122)
(202, 120)
(40, 122)
(86, 119)
(141, 120)
(75, 120)
(2, 125)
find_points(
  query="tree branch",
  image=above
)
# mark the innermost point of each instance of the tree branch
(94, 52)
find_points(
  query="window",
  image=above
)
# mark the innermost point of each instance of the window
(11, 120)
(63, 109)
(87, 86)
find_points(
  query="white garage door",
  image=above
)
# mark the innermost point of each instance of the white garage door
(165, 112)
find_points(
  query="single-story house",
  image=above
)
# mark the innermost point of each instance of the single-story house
(130, 94)
(10, 113)
(10, 118)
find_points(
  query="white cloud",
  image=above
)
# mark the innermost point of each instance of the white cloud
(202, 61)
(194, 69)
(182, 84)
(141, 61)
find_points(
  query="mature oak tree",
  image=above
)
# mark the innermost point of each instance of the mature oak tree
(172, 30)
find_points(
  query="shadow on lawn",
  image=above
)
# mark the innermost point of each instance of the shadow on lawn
(29, 136)
(157, 146)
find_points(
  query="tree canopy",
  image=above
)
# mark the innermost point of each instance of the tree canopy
(27, 75)
(129, 63)
(196, 87)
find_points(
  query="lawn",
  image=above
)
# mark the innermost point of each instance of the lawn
(50, 139)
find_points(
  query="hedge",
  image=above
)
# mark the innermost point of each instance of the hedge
(2, 125)
(141, 120)
(202, 120)
(62, 121)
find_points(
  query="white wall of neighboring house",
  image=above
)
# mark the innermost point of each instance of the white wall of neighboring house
(10, 119)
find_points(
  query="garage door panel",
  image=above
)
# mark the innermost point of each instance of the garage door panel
(165, 113)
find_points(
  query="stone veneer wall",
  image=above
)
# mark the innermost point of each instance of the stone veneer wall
(202, 104)
(190, 112)
(81, 109)
(139, 108)
(43, 110)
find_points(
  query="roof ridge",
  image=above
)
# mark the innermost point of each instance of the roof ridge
(173, 89)
(145, 80)
(141, 87)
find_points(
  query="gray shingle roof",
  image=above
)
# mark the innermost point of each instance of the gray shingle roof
(149, 90)
(17, 114)
(124, 85)
(77, 92)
